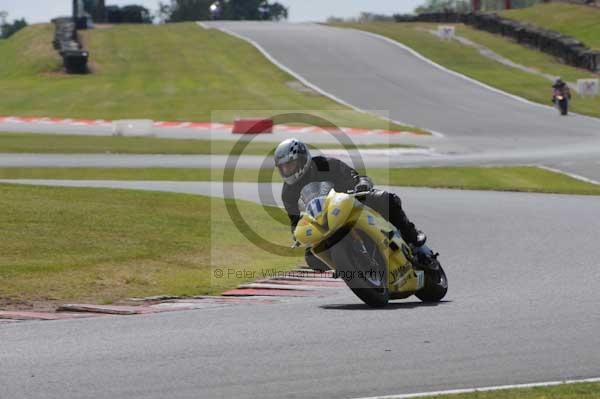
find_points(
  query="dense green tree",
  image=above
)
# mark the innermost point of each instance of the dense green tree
(136, 14)
(277, 11)
(194, 10)
(132, 14)
(96, 9)
(8, 29)
(184, 10)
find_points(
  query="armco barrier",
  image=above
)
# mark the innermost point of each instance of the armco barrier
(66, 42)
(569, 49)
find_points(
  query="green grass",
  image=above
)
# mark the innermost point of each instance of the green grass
(467, 60)
(98, 245)
(524, 179)
(74, 244)
(520, 54)
(176, 72)
(59, 144)
(565, 391)
(580, 22)
(149, 174)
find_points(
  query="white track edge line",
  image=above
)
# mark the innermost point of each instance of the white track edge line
(305, 82)
(484, 389)
(447, 70)
(571, 175)
(458, 74)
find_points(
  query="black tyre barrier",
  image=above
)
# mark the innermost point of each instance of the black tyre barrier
(570, 50)
(75, 61)
(66, 42)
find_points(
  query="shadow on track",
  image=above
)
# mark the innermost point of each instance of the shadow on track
(390, 306)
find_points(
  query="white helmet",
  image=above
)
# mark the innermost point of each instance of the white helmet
(293, 159)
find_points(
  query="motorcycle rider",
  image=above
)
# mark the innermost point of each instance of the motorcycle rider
(560, 89)
(298, 168)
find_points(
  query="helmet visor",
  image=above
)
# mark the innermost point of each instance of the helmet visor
(289, 168)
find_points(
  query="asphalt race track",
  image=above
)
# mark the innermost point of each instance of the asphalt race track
(373, 74)
(522, 307)
(523, 268)
(585, 164)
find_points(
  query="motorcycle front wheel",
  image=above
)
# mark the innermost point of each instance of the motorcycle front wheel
(564, 107)
(360, 264)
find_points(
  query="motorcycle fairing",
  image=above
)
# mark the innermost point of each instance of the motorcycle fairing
(342, 211)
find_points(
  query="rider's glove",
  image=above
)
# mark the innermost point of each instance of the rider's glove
(364, 184)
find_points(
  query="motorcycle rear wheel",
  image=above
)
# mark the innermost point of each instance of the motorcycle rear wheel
(436, 285)
(363, 269)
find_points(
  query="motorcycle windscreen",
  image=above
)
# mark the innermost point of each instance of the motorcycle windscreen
(312, 197)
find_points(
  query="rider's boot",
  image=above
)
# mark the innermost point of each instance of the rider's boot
(425, 258)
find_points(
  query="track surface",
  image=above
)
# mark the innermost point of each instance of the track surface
(522, 307)
(374, 74)
(586, 164)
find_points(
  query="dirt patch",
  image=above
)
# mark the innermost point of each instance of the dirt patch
(29, 306)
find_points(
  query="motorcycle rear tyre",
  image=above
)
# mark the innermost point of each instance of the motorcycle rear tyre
(436, 285)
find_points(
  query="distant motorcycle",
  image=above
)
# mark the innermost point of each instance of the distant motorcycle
(364, 249)
(561, 101)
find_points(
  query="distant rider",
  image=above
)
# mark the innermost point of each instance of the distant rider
(298, 168)
(560, 88)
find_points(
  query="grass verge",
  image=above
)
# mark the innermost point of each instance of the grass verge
(99, 245)
(468, 61)
(67, 144)
(519, 178)
(159, 72)
(78, 244)
(523, 179)
(580, 22)
(565, 391)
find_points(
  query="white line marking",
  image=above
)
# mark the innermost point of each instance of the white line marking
(458, 74)
(382, 152)
(306, 83)
(443, 68)
(484, 389)
(572, 175)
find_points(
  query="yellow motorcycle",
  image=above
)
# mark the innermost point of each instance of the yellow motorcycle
(364, 249)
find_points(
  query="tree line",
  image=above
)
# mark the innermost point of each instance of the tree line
(465, 5)
(7, 29)
(185, 10)
(195, 10)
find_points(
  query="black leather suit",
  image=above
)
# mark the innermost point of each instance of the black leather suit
(346, 178)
